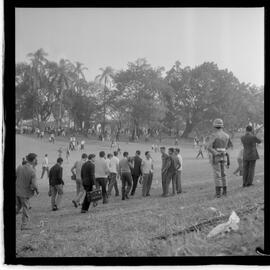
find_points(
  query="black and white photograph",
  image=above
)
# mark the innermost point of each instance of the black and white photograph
(139, 132)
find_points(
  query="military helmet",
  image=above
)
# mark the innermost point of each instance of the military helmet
(218, 123)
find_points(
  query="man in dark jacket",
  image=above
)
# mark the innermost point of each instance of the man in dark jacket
(165, 174)
(88, 179)
(136, 172)
(250, 155)
(56, 184)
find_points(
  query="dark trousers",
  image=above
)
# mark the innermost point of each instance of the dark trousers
(174, 179)
(178, 182)
(134, 185)
(166, 180)
(44, 169)
(113, 184)
(86, 203)
(146, 184)
(102, 182)
(126, 181)
(248, 172)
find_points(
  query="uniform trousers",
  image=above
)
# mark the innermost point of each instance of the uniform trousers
(56, 195)
(134, 185)
(23, 203)
(220, 179)
(248, 172)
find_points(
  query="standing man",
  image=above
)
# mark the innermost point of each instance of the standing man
(166, 163)
(101, 173)
(250, 155)
(56, 184)
(26, 186)
(79, 185)
(136, 172)
(217, 146)
(88, 180)
(125, 174)
(147, 169)
(200, 153)
(179, 171)
(45, 166)
(172, 171)
(114, 173)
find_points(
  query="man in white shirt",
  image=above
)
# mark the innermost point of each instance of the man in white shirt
(45, 166)
(114, 173)
(101, 173)
(147, 169)
(179, 171)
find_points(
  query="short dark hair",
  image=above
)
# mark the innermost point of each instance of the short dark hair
(163, 147)
(125, 154)
(46, 155)
(115, 153)
(138, 152)
(109, 155)
(59, 160)
(171, 149)
(146, 152)
(177, 150)
(249, 128)
(102, 154)
(31, 156)
(91, 156)
(84, 155)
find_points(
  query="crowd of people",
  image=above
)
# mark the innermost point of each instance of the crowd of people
(103, 172)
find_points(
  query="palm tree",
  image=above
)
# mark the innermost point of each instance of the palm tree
(105, 79)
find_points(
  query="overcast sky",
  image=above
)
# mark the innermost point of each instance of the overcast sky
(232, 38)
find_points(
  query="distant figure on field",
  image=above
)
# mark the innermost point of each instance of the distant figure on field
(250, 155)
(114, 173)
(200, 151)
(165, 174)
(147, 169)
(240, 163)
(45, 166)
(179, 171)
(136, 171)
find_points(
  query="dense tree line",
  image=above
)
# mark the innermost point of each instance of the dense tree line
(178, 101)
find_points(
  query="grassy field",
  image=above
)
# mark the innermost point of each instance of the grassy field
(135, 227)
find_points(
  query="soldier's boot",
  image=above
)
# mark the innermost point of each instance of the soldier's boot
(218, 190)
(224, 191)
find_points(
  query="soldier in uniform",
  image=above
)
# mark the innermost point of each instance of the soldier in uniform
(217, 146)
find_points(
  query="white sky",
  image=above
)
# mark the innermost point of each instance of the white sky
(99, 37)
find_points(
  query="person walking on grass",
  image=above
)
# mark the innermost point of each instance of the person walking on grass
(136, 172)
(217, 146)
(45, 166)
(240, 163)
(125, 174)
(76, 172)
(88, 180)
(200, 151)
(179, 171)
(26, 186)
(165, 177)
(250, 155)
(172, 171)
(147, 169)
(56, 184)
(114, 173)
(101, 173)
(67, 153)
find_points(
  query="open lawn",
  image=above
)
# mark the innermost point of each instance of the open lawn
(141, 226)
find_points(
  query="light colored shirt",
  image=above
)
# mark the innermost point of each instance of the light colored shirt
(78, 167)
(147, 166)
(26, 181)
(101, 168)
(45, 162)
(181, 162)
(114, 165)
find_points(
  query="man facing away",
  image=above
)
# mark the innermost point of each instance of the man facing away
(172, 171)
(26, 186)
(56, 184)
(76, 171)
(101, 173)
(217, 146)
(114, 172)
(250, 155)
(45, 166)
(125, 174)
(179, 171)
(165, 177)
(136, 172)
(88, 180)
(147, 169)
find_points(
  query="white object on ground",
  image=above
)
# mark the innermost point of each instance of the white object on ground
(231, 224)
